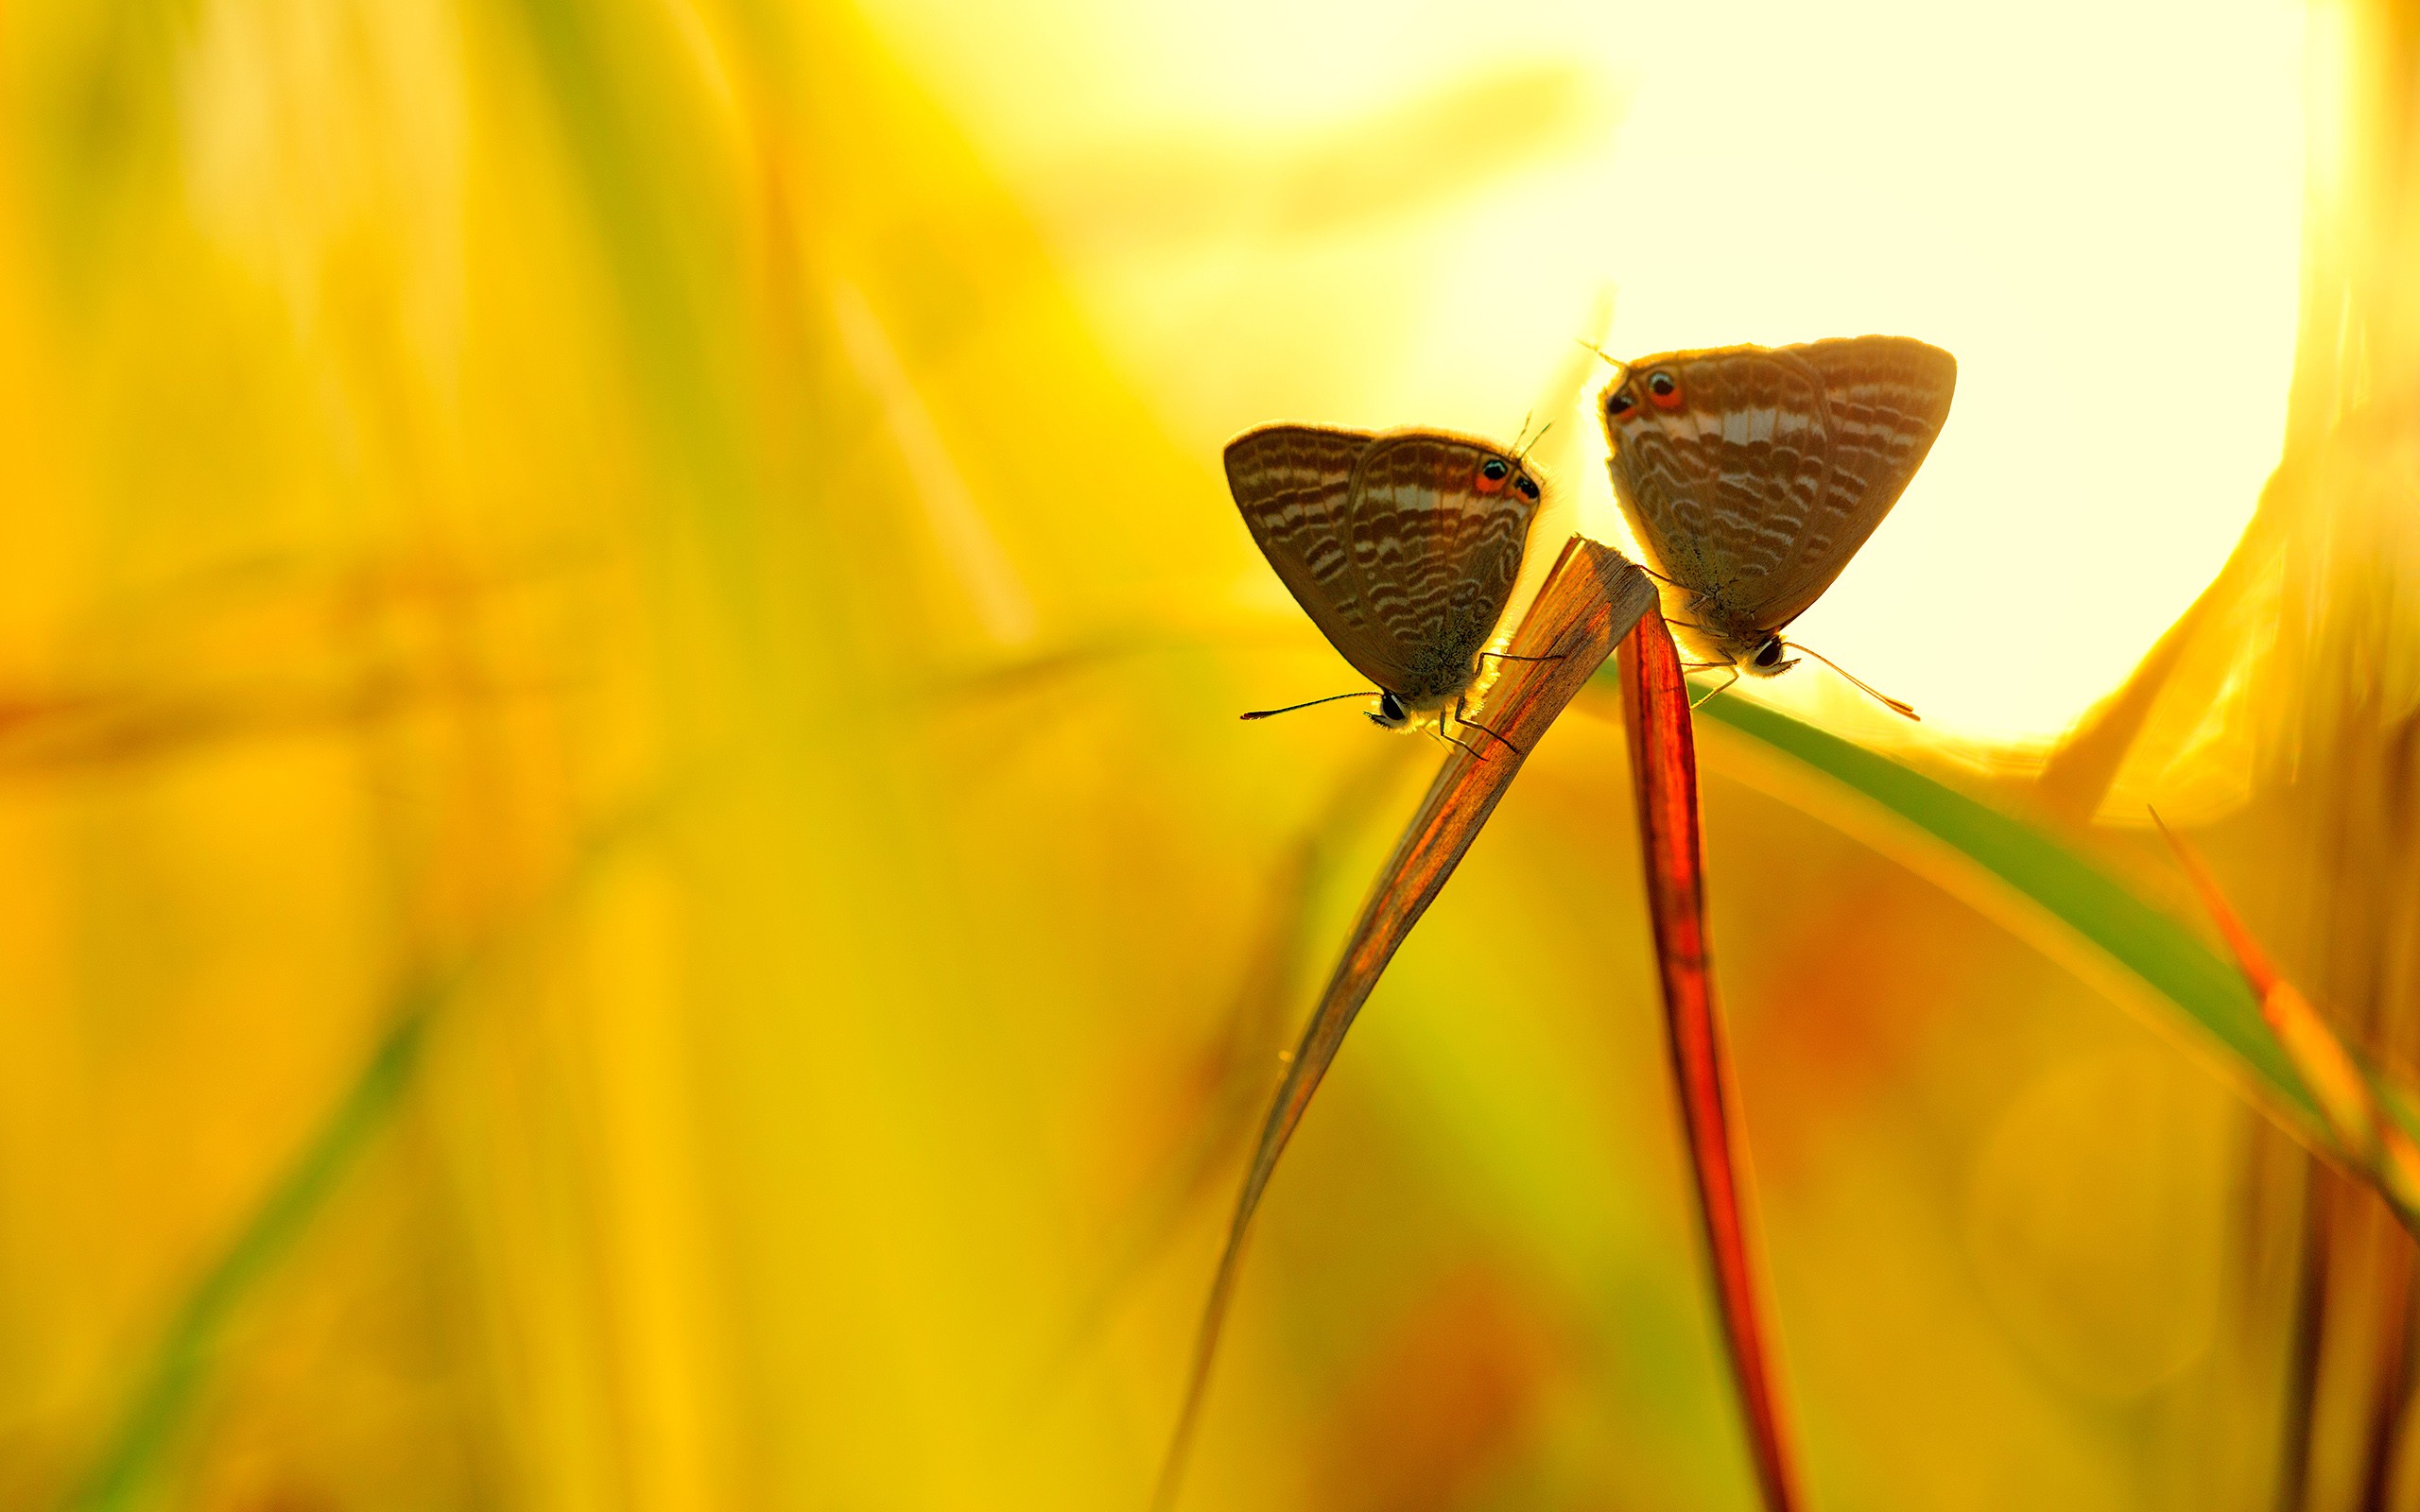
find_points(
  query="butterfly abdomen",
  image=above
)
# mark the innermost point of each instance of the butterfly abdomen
(1447, 663)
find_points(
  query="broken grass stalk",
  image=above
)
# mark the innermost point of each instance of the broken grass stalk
(1590, 601)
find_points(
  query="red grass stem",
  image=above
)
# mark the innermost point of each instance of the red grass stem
(1664, 773)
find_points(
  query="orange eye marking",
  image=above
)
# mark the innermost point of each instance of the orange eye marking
(1492, 474)
(1662, 390)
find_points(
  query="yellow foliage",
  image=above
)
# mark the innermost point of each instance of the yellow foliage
(627, 879)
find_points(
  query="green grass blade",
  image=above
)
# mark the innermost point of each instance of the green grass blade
(2160, 950)
(134, 1447)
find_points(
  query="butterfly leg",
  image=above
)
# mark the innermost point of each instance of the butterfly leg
(1659, 576)
(1439, 734)
(1711, 692)
(1467, 748)
(1699, 601)
(1507, 655)
(1476, 725)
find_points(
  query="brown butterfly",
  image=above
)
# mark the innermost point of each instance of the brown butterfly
(1402, 547)
(1752, 474)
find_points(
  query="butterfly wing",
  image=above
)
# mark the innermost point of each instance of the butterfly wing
(1718, 483)
(1767, 470)
(1290, 482)
(1439, 544)
(1885, 400)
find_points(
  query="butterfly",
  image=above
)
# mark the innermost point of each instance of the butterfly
(1752, 474)
(1402, 547)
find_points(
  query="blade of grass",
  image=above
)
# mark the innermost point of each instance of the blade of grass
(2083, 767)
(1663, 754)
(132, 1451)
(1590, 601)
(2376, 1137)
(1231, 1067)
(2158, 951)
(2377, 1142)
(2209, 998)
(184, 1354)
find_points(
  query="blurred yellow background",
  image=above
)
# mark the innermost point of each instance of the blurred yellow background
(627, 876)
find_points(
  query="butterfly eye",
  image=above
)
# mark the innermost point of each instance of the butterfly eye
(1493, 473)
(1619, 403)
(1528, 487)
(1769, 653)
(1664, 388)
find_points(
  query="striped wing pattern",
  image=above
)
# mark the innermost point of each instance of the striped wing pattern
(1886, 399)
(1721, 489)
(1388, 543)
(1774, 467)
(1440, 558)
(1292, 482)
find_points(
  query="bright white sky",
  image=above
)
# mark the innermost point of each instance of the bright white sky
(1404, 213)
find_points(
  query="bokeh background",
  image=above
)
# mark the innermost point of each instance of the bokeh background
(627, 879)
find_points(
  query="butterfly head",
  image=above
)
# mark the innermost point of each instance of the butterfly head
(1642, 392)
(1390, 713)
(1768, 660)
(1499, 474)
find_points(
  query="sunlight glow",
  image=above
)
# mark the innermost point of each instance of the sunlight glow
(1390, 215)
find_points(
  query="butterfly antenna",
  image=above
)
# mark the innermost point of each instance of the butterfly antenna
(1895, 705)
(1263, 714)
(1523, 454)
(1615, 363)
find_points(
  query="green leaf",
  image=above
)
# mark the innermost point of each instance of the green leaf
(186, 1351)
(2165, 955)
